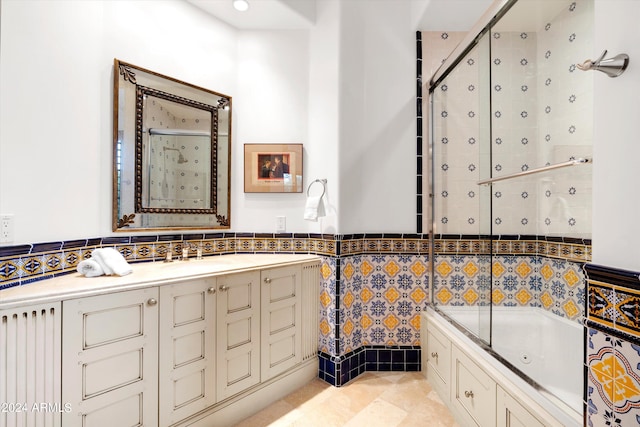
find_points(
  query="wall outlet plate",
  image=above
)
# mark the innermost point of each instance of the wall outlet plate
(281, 224)
(6, 228)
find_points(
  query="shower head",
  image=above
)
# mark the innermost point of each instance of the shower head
(181, 158)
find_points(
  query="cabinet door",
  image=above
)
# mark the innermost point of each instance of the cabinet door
(281, 323)
(30, 371)
(438, 360)
(110, 362)
(238, 333)
(187, 371)
(474, 392)
(510, 413)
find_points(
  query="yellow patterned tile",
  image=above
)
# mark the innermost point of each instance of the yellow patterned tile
(571, 278)
(392, 268)
(325, 270)
(523, 269)
(366, 321)
(325, 328)
(570, 309)
(415, 322)
(498, 269)
(325, 299)
(348, 327)
(366, 268)
(444, 295)
(470, 296)
(348, 271)
(547, 300)
(348, 299)
(366, 295)
(523, 296)
(444, 269)
(497, 296)
(391, 295)
(470, 269)
(418, 268)
(547, 272)
(612, 377)
(418, 295)
(391, 321)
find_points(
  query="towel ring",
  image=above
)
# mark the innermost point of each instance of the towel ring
(321, 181)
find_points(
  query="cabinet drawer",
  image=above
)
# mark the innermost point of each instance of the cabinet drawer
(473, 392)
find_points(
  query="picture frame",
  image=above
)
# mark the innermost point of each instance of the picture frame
(273, 168)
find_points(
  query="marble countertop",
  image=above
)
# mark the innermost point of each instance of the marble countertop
(146, 274)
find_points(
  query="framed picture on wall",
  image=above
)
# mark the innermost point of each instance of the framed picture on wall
(272, 168)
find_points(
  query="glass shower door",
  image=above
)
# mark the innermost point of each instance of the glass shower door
(460, 111)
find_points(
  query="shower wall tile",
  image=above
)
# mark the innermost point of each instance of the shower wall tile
(540, 114)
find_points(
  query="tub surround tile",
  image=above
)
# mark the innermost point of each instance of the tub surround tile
(613, 347)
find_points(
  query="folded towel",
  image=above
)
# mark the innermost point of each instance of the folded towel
(90, 268)
(314, 208)
(111, 261)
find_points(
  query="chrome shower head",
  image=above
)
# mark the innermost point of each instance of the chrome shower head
(181, 158)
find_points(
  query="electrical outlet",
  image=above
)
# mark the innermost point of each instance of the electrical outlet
(281, 224)
(6, 228)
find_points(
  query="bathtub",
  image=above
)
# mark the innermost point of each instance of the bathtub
(538, 351)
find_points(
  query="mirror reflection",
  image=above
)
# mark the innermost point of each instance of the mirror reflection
(172, 153)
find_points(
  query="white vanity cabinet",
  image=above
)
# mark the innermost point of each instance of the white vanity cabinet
(201, 344)
(187, 359)
(110, 361)
(238, 332)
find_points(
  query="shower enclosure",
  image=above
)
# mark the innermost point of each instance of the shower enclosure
(511, 151)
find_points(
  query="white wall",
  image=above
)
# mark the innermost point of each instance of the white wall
(56, 99)
(345, 89)
(377, 117)
(616, 174)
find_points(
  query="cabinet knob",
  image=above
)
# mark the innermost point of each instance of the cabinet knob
(152, 301)
(267, 280)
(468, 393)
(223, 288)
(434, 355)
(211, 290)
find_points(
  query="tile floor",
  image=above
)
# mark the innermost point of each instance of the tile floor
(373, 399)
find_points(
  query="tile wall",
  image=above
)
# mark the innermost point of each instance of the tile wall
(373, 286)
(613, 347)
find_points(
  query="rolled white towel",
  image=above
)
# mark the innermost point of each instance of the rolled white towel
(90, 268)
(111, 261)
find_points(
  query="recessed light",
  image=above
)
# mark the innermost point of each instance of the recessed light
(241, 5)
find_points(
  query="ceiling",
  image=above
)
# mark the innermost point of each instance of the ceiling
(428, 15)
(262, 14)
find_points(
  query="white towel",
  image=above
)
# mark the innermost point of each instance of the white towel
(90, 268)
(111, 261)
(314, 208)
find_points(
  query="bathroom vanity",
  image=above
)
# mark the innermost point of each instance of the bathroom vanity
(188, 343)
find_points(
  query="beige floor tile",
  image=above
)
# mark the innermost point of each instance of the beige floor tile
(379, 413)
(373, 399)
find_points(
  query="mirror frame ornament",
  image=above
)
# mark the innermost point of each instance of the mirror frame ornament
(198, 218)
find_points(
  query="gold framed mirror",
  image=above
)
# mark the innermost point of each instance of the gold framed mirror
(172, 153)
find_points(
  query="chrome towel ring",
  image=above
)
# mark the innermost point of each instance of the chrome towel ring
(321, 181)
